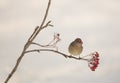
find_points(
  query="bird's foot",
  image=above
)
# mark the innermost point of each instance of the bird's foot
(79, 57)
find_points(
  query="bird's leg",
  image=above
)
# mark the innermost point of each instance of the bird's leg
(79, 57)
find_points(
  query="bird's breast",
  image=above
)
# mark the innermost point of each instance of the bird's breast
(75, 48)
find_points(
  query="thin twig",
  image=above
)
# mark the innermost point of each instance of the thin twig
(42, 24)
(39, 44)
(47, 24)
(46, 46)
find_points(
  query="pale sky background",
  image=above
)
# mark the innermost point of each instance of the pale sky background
(97, 22)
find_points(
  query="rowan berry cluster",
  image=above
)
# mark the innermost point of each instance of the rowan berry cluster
(94, 61)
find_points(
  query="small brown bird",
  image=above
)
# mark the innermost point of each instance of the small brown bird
(75, 48)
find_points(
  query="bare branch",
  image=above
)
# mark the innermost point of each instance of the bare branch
(41, 26)
(28, 43)
(58, 52)
(15, 67)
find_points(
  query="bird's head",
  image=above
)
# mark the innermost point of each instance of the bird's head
(79, 40)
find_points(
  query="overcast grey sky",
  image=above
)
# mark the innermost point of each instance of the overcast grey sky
(96, 22)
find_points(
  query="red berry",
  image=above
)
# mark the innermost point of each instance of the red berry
(97, 55)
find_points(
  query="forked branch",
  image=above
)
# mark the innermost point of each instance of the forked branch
(30, 39)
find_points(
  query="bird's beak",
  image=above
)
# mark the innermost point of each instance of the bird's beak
(81, 42)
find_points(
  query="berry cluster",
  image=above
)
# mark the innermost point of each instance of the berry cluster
(94, 61)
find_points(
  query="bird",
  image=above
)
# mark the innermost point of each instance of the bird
(75, 48)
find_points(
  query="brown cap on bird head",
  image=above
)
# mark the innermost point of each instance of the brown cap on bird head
(79, 40)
